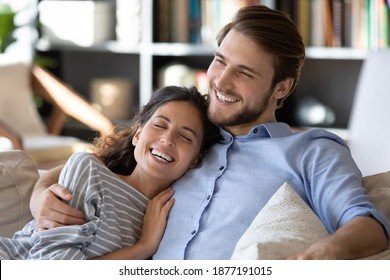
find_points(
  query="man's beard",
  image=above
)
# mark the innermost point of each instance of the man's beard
(246, 115)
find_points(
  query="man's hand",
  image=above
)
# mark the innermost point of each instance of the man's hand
(322, 250)
(360, 237)
(47, 203)
(51, 212)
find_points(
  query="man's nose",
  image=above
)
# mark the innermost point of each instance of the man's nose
(224, 79)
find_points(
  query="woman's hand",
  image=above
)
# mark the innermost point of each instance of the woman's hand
(155, 220)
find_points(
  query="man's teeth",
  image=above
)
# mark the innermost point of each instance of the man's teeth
(161, 156)
(225, 98)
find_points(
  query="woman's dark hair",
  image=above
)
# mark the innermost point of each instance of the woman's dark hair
(116, 149)
(274, 32)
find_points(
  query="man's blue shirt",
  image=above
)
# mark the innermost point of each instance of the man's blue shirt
(216, 202)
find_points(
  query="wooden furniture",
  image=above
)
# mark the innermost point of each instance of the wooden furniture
(20, 121)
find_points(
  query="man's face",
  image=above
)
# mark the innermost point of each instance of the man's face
(240, 78)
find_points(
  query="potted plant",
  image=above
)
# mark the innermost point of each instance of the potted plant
(7, 26)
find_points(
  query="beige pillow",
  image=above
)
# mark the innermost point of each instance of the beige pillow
(284, 227)
(18, 175)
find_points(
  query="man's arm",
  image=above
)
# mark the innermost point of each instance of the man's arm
(360, 237)
(46, 205)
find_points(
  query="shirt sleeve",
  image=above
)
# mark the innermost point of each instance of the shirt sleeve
(63, 243)
(334, 183)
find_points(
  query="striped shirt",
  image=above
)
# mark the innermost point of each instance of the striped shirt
(113, 210)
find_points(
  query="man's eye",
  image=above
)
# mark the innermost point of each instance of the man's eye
(246, 74)
(218, 60)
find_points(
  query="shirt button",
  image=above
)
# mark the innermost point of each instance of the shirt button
(221, 168)
(208, 197)
(193, 232)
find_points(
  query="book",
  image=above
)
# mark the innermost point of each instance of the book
(303, 20)
(195, 21)
(338, 22)
(317, 30)
(180, 21)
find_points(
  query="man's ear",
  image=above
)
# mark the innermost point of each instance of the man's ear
(282, 89)
(135, 139)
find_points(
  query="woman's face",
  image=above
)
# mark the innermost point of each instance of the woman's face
(169, 143)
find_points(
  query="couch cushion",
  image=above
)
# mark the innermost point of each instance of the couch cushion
(18, 175)
(378, 188)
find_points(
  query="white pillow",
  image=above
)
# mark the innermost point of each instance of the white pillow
(284, 227)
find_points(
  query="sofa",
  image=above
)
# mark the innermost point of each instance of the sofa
(286, 225)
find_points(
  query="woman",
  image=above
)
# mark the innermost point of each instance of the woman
(123, 186)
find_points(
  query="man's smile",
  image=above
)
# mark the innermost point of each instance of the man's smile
(223, 98)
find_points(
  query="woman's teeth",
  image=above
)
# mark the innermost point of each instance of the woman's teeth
(161, 156)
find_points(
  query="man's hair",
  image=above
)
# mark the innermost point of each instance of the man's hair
(274, 32)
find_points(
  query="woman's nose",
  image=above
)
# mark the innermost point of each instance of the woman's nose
(167, 139)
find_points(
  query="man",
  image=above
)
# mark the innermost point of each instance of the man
(256, 66)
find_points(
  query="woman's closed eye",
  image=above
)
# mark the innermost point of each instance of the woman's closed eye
(159, 126)
(160, 123)
(186, 137)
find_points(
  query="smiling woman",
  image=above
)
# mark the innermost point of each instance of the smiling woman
(166, 146)
(123, 188)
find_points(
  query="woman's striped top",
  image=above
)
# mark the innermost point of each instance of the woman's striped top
(114, 212)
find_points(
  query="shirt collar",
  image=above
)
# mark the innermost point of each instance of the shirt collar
(267, 130)
(277, 129)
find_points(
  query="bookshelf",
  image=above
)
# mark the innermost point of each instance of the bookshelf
(330, 72)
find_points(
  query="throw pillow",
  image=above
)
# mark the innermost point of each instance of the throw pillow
(18, 175)
(284, 227)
